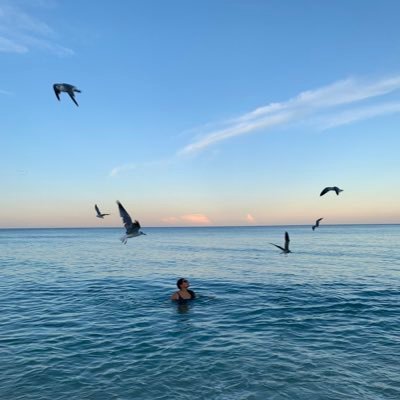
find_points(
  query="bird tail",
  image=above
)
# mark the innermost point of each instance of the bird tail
(124, 239)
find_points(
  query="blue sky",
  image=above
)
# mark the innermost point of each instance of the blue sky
(199, 112)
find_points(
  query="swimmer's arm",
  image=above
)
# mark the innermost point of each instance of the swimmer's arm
(175, 296)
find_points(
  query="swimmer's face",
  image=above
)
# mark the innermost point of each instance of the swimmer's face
(185, 283)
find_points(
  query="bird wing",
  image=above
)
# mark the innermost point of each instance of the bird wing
(318, 220)
(337, 190)
(126, 219)
(326, 190)
(136, 224)
(56, 91)
(71, 94)
(97, 209)
(279, 247)
(287, 240)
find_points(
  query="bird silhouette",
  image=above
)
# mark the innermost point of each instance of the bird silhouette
(99, 214)
(132, 228)
(329, 188)
(67, 88)
(317, 223)
(286, 248)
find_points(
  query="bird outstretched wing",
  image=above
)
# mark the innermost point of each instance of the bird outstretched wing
(326, 190)
(279, 247)
(126, 219)
(73, 98)
(56, 91)
(287, 241)
(337, 190)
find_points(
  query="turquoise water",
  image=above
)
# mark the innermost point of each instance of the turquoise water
(85, 317)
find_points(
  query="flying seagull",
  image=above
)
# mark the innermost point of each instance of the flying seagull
(317, 223)
(99, 214)
(329, 188)
(67, 88)
(132, 228)
(286, 248)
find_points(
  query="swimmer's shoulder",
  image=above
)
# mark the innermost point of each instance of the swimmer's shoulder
(175, 296)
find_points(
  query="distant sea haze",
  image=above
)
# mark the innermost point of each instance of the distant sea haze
(84, 316)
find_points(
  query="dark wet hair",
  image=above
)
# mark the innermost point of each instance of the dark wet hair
(179, 282)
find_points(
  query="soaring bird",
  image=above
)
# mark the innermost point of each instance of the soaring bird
(67, 88)
(286, 248)
(329, 188)
(99, 214)
(132, 228)
(317, 223)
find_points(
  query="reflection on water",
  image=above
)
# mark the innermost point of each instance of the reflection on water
(183, 307)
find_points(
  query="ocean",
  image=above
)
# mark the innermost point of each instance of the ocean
(85, 317)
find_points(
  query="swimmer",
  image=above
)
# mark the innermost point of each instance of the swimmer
(183, 293)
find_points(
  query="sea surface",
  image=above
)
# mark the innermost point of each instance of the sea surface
(85, 317)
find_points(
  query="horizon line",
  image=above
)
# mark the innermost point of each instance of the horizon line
(205, 226)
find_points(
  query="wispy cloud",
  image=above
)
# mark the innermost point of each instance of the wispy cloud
(6, 92)
(121, 168)
(21, 32)
(306, 105)
(250, 219)
(340, 103)
(196, 219)
(124, 168)
(11, 46)
(357, 114)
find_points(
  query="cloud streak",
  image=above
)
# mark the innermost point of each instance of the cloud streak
(6, 92)
(20, 33)
(196, 219)
(250, 219)
(358, 114)
(323, 106)
(343, 102)
(121, 168)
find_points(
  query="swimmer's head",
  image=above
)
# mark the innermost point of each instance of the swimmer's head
(180, 281)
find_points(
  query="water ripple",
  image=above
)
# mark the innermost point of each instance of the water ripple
(99, 324)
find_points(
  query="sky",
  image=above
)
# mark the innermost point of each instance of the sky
(199, 113)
